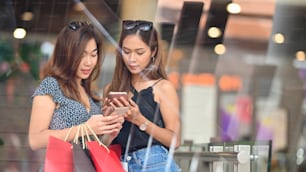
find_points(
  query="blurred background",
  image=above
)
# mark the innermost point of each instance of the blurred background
(238, 66)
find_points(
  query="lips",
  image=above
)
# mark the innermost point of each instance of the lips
(133, 67)
(86, 71)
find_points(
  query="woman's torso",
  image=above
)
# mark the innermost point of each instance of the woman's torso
(68, 112)
(150, 109)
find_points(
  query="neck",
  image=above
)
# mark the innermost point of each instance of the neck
(137, 79)
(79, 82)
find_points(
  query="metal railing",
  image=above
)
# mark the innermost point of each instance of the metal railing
(225, 157)
(205, 161)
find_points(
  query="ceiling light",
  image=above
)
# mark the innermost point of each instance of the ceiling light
(214, 32)
(278, 38)
(27, 16)
(220, 49)
(300, 55)
(19, 33)
(233, 8)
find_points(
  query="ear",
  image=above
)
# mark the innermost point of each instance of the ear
(154, 53)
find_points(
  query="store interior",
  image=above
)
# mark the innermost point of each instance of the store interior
(238, 66)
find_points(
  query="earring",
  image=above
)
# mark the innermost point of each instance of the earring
(153, 58)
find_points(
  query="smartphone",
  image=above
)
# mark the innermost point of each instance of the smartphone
(117, 110)
(115, 94)
(120, 110)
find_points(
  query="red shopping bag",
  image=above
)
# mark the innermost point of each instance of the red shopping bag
(81, 159)
(116, 148)
(104, 159)
(58, 156)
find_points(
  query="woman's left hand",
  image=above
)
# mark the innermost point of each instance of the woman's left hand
(133, 113)
(107, 138)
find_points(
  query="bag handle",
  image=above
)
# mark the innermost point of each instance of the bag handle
(75, 140)
(83, 137)
(68, 133)
(80, 130)
(96, 137)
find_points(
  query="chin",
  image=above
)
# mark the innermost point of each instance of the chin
(84, 77)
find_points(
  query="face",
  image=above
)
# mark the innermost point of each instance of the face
(89, 60)
(136, 54)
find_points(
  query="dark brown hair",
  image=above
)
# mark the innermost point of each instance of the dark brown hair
(156, 69)
(67, 55)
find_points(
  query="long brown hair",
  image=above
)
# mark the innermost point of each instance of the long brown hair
(156, 69)
(67, 55)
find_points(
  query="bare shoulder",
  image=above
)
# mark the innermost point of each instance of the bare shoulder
(164, 89)
(165, 85)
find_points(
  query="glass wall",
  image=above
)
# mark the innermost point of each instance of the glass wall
(238, 66)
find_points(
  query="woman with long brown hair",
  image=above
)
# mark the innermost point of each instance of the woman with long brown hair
(64, 98)
(152, 125)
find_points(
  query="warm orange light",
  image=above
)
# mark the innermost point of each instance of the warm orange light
(230, 83)
(174, 78)
(225, 83)
(300, 55)
(279, 38)
(198, 79)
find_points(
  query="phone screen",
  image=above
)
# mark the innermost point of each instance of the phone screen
(113, 94)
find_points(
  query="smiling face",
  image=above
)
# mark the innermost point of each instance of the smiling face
(88, 61)
(136, 54)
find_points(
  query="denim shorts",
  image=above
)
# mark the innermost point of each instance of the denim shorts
(156, 161)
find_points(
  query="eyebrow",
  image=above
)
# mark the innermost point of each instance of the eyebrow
(91, 51)
(135, 49)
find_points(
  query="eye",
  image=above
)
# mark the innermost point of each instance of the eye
(140, 53)
(126, 51)
(94, 55)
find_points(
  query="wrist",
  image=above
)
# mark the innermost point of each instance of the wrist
(143, 125)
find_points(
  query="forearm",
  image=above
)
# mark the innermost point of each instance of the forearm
(165, 136)
(38, 140)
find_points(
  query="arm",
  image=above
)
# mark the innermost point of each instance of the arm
(166, 95)
(41, 115)
(108, 138)
(169, 106)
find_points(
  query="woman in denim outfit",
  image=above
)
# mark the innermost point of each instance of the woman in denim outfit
(152, 123)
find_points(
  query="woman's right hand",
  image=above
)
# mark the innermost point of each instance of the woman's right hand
(105, 124)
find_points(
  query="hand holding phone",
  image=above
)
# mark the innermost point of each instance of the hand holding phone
(120, 110)
(115, 94)
(116, 110)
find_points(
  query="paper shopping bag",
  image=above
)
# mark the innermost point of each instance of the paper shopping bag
(58, 156)
(116, 148)
(104, 159)
(81, 160)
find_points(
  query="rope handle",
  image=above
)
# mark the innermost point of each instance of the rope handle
(68, 133)
(84, 132)
(75, 140)
(96, 137)
(87, 135)
(83, 138)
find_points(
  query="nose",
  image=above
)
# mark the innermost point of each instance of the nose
(132, 57)
(88, 60)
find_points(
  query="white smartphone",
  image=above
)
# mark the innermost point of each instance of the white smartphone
(115, 94)
(120, 110)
